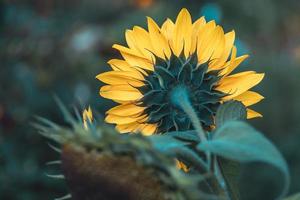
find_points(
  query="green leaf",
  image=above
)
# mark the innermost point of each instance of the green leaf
(231, 110)
(231, 172)
(239, 141)
(177, 148)
(190, 136)
(293, 197)
(165, 143)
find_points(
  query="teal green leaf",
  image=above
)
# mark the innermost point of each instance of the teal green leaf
(190, 136)
(169, 145)
(165, 143)
(231, 110)
(239, 141)
(231, 172)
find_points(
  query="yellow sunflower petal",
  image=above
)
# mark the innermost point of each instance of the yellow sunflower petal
(249, 98)
(119, 65)
(197, 26)
(233, 53)
(160, 44)
(205, 36)
(113, 77)
(242, 74)
(181, 165)
(126, 110)
(122, 65)
(119, 78)
(115, 119)
(229, 40)
(182, 34)
(149, 129)
(137, 127)
(233, 64)
(219, 44)
(252, 114)
(128, 50)
(120, 92)
(127, 128)
(215, 48)
(237, 84)
(87, 115)
(139, 39)
(133, 58)
(167, 29)
(130, 40)
(209, 45)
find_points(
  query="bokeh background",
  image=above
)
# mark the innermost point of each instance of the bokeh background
(58, 47)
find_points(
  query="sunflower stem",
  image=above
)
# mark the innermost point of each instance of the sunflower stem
(189, 110)
(181, 99)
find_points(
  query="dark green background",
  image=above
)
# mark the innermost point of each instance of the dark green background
(58, 47)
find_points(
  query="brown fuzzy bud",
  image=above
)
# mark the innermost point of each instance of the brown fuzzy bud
(104, 176)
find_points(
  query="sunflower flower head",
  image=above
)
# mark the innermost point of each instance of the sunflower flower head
(87, 116)
(166, 66)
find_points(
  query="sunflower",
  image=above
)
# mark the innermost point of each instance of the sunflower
(165, 67)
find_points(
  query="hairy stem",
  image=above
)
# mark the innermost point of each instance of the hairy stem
(180, 98)
(189, 110)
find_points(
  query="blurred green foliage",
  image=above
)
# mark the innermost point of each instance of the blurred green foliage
(59, 46)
